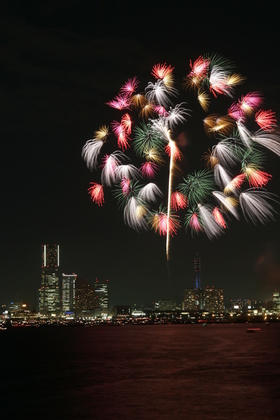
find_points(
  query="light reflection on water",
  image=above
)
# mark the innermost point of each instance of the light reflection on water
(141, 372)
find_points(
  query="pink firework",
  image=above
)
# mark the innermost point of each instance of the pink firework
(265, 119)
(178, 201)
(121, 133)
(219, 217)
(175, 149)
(149, 169)
(130, 86)
(160, 71)
(96, 193)
(120, 102)
(251, 102)
(258, 178)
(199, 67)
(160, 110)
(195, 224)
(126, 123)
(236, 112)
(164, 224)
(125, 185)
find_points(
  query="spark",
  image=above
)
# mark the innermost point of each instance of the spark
(257, 178)
(150, 192)
(251, 102)
(164, 224)
(161, 70)
(130, 86)
(235, 184)
(120, 102)
(197, 186)
(269, 140)
(192, 221)
(200, 67)
(219, 82)
(255, 206)
(229, 203)
(178, 201)
(138, 100)
(219, 217)
(265, 119)
(96, 193)
(210, 226)
(134, 214)
(109, 174)
(126, 123)
(203, 99)
(149, 169)
(90, 152)
(225, 153)
(159, 92)
(177, 115)
(222, 178)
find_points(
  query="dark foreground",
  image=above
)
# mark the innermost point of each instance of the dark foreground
(141, 372)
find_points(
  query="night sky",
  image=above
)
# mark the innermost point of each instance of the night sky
(61, 61)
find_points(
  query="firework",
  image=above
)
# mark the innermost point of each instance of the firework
(144, 143)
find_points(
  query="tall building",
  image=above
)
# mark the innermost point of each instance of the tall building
(68, 286)
(197, 271)
(213, 300)
(276, 301)
(49, 293)
(85, 298)
(101, 289)
(193, 297)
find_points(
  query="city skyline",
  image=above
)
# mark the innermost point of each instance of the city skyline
(57, 76)
(61, 293)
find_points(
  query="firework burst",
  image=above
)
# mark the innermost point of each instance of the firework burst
(232, 182)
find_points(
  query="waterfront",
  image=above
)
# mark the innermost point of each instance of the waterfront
(141, 372)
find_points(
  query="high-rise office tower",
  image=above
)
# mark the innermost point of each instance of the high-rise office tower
(49, 293)
(68, 286)
(101, 289)
(197, 271)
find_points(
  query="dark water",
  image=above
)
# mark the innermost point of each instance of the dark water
(141, 372)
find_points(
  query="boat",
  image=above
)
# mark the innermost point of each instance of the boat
(251, 330)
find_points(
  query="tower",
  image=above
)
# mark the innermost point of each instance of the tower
(101, 289)
(197, 271)
(49, 293)
(68, 288)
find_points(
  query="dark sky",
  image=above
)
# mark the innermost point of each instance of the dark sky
(61, 61)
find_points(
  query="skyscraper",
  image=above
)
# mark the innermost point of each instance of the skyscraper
(49, 293)
(193, 298)
(197, 271)
(68, 286)
(101, 289)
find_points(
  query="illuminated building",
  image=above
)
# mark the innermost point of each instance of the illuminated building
(101, 289)
(213, 300)
(197, 271)
(240, 305)
(49, 293)
(68, 292)
(165, 305)
(193, 298)
(85, 298)
(276, 301)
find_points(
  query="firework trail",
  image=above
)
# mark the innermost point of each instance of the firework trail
(230, 185)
